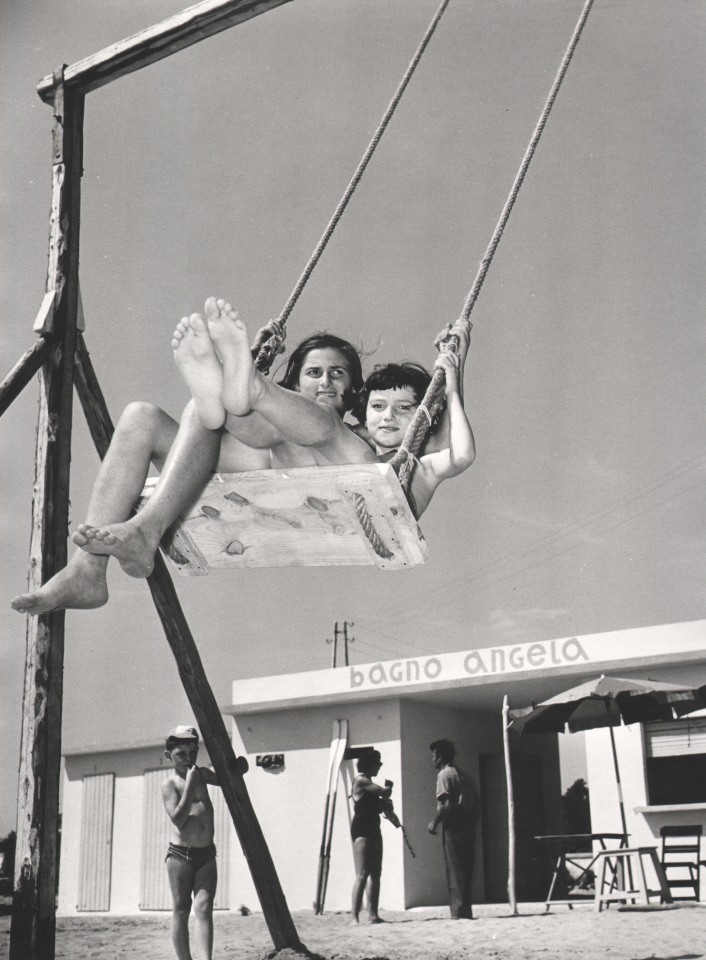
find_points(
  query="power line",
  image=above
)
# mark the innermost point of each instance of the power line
(576, 527)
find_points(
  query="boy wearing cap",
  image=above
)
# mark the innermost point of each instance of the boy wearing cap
(191, 857)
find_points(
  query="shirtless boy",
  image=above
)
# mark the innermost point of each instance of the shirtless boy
(191, 857)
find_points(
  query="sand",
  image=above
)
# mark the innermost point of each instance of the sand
(657, 933)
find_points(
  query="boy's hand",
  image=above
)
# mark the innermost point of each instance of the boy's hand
(193, 776)
(450, 363)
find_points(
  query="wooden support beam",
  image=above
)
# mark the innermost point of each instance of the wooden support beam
(198, 690)
(22, 372)
(156, 42)
(32, 935)
(91, 396)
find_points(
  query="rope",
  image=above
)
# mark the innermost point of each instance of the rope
(403, 462)
(273, 346)
(368, 528)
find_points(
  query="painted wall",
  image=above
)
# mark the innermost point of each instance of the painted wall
(128, 767)
(289, 802)
(643, 820)
(643, 824)
(479, 751)
(422, 722)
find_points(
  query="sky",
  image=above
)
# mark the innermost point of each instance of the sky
(215, 172)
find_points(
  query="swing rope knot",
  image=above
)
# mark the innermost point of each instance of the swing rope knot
(268, 344)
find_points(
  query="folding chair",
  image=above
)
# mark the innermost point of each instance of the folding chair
(681, 860)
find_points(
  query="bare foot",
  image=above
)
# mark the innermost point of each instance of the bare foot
(196, 359)
(230, 336)
(127, 542)
(79, 586)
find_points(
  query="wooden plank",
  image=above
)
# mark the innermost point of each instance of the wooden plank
(350, 514)
(220, 750)
(156, 42)
(22, 372)
(32, 934)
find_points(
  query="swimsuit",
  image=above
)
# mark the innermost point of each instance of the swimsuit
(366, 817)
(198, 856)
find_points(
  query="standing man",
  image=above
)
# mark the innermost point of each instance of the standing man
(457, 812)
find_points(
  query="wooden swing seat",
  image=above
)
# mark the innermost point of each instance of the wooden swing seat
(306, 516)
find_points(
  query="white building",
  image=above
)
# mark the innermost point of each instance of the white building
(114, 827)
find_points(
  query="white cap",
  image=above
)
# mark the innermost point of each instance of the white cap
(183, 732)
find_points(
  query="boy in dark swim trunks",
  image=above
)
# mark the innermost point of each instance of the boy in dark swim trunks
(191, 857)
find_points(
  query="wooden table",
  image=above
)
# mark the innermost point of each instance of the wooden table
(564, 850)
(621, 877)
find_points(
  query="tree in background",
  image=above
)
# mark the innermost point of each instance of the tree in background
(7, 849)
(576, 808)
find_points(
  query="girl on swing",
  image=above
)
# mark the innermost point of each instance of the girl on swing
(238, 420)
(321, 379)
(215, 359)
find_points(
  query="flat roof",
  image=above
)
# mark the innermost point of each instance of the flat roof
(88, 748)
(480, 678)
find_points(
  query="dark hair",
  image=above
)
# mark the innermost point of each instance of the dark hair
(323, 341)
(177, 741)
(444, 748)
(393, 376)
(368, 761)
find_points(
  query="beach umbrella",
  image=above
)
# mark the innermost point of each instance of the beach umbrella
(608, 702)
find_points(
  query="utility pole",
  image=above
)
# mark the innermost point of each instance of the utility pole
(343, 633)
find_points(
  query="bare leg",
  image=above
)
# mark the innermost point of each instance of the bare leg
(204, 894)
(196, 360)
(373, 885)
(144, 434)
(188, 466)
(361, 876)
(180, 874)
(298, 419)
(373, 897)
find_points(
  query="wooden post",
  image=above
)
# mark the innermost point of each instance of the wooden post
(32, 935)
(22, 372)
(511, 896)
(198, 690)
